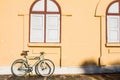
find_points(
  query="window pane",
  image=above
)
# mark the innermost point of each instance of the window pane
(114, 8)
(113, 36)
(51, 6)
(37, 28)
(53, 28)
(113, 28)
(39, 6)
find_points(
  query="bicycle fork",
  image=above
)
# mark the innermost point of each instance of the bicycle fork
(43, 64)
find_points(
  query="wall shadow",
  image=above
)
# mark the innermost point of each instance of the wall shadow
(90, 67)
(89, 63)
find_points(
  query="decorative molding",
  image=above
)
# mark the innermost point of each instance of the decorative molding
(68, 15)
(112, 44)
(22, 14)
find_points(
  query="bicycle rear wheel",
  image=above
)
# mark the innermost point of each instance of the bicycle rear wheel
(45, 67)
(19, 68)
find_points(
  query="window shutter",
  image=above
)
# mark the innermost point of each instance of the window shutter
(52, 28)
(113, 28)
(37, 28)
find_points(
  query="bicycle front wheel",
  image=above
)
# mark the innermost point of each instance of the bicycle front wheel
(45, 67)
(19, 68)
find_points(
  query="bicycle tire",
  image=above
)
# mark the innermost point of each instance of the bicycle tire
(41, 67)
(16, 66)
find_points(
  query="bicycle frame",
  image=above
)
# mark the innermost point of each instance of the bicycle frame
(38, 58)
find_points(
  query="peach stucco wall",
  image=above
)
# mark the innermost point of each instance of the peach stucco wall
(83, 33)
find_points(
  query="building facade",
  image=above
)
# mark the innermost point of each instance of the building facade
(72, 33)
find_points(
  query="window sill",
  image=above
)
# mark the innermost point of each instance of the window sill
(112, 44)
(55, 45)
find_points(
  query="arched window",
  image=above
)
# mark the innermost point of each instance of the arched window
(45, 21)
(113, 22)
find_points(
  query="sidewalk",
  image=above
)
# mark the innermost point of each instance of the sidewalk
(73, 70)
(65, 77)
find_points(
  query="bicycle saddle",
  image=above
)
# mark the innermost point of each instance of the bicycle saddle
(24, 53)
(42, 53)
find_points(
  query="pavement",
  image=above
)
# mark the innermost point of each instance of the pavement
(115, 76)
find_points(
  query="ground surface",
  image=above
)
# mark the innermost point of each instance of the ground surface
(65, 77)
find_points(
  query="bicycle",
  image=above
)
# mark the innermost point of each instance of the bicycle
(43, 67)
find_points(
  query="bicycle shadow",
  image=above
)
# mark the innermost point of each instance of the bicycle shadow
(27, 78)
